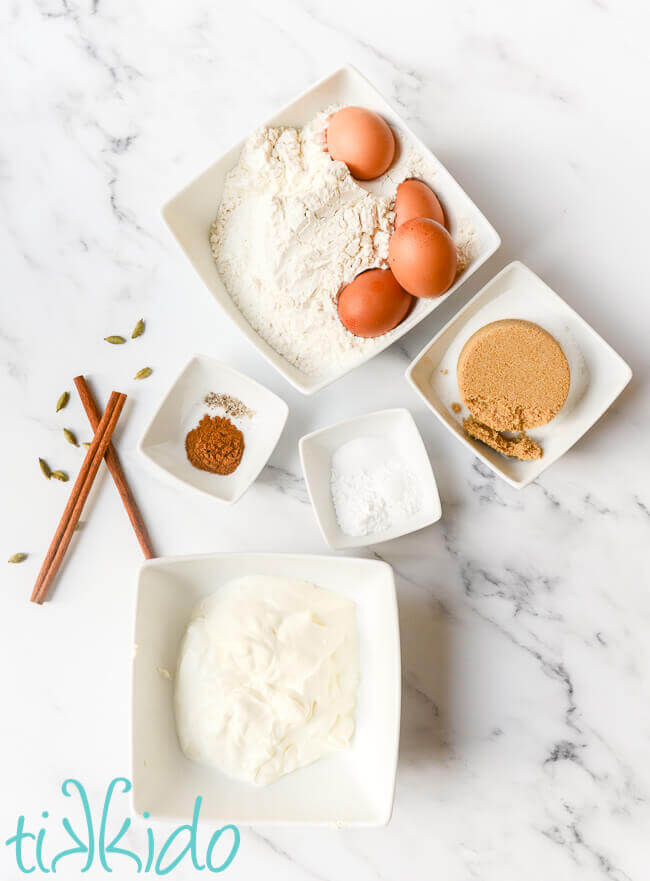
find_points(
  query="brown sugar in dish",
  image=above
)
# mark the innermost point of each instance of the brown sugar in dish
(513, 375)
(520, 447)
(215, 445)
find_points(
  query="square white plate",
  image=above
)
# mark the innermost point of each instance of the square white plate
(598, 374)
(352, 787)
(190, 213)
(317, 449)
(163, 442)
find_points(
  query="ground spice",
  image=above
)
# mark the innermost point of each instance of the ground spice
(232, 405)
(215, 445)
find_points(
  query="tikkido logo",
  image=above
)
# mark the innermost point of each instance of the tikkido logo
(98, 846)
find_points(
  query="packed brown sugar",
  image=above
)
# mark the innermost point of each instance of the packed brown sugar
(512, 375)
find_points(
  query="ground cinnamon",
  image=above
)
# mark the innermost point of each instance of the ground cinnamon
(215, 445)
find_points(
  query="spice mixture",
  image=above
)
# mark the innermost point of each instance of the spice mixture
(232, 405)
(215, 445)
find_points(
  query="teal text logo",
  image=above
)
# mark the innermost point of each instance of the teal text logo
(88, 844)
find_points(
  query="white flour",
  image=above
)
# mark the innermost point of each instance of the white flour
(372, 488)
(292, 228)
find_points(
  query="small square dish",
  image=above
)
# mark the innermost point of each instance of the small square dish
(163, 442)
(191, 212)
(350, 787)
(598, 373)
(400, 431)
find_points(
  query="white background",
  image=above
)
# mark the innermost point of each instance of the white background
(525, 615)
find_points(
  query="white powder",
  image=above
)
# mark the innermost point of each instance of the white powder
(372, 487)
(294, 226)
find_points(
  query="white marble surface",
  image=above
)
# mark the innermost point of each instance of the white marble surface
(526, 708)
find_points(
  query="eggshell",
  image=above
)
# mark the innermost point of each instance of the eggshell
(373, 303)
(361, 139)
(415, 199)
(422, 255)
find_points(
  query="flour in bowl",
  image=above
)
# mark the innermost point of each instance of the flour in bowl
(292, 227)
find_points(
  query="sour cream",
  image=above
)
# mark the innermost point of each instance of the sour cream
(267, 678)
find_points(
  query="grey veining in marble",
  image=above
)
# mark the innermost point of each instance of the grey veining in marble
(525, 749)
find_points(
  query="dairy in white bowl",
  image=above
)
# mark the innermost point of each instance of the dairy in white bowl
(267, 677)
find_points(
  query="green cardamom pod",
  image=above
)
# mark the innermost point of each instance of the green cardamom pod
(70, 437)
(115, 340)
(138, 330)
(45, 468)
(63, 400)
(85, 444)
(60, 475)
(144, 373)
(17, 558)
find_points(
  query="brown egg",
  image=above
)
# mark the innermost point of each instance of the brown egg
(415, 199)
(373, 303)
(422, 255)
(361, 139)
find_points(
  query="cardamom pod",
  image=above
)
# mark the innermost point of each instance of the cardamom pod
(138, 330)
(144, 373)
(115, 340)
(60, 475)
(17, 558)
(63, 400)
(85, 444)
(45, 468)
(70, 437)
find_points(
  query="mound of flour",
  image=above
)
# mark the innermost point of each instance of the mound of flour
(292, 227)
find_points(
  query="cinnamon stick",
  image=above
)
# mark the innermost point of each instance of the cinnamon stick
(78, 496)
(115, 468)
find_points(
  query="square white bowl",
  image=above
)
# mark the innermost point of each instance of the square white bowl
(598, 373)
(317, 449)
(190, 213)
(163, 442)
(353, 787)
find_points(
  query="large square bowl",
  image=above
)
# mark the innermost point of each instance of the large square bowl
(353, 787)
(190, 214)
(598, 373)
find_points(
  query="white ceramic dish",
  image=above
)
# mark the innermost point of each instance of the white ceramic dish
(190, 214)
(317, 449)
(351, 787)
(598, 374)
(163, 442)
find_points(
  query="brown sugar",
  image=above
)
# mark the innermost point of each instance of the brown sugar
(513, 375)
(215, 445)
(520, 447)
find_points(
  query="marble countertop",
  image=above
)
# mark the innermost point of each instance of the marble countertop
(525, 749)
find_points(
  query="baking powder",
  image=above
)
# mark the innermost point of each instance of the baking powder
(372, 488)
